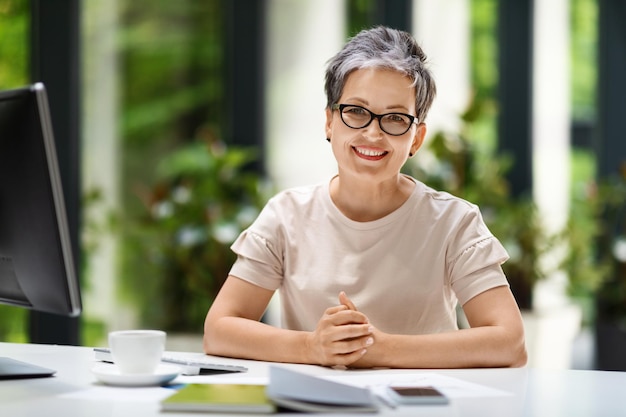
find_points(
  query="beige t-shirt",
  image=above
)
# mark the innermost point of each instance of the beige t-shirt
(405, 271)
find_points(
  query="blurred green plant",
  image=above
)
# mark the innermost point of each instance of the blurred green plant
(586, 271)
(14, 38)
(180, 248)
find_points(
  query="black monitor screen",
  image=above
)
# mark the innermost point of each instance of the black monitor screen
(36, 264)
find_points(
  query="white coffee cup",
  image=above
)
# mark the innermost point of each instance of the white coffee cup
(137, 351)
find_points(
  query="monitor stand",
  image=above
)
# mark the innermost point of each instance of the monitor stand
(14, 369)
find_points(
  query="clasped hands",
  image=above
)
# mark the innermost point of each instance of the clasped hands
(343, 335)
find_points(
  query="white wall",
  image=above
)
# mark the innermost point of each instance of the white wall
(442, 28)
(555, 322)
(302, 36)
(551, 131)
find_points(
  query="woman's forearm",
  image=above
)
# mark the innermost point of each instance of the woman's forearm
(250, 339)
(468, 348)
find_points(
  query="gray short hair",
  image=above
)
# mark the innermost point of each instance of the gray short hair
(382, 47)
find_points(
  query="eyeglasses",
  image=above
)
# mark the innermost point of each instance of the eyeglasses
(357, 117)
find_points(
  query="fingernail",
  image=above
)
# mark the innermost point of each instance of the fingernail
(369, 341)
(371, 329)
(364, 351)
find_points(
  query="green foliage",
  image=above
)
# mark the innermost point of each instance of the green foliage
(13, 324)
(179, 249)
(361, 15)
(584, 38)
(14, 38)
(93, 332)
(172, 57)
(585, 270)
(484, 48)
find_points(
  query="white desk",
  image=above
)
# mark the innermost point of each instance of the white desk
(72, 391)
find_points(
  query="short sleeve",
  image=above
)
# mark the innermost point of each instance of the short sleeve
(476, 258)
(259, 249)
(482, 266)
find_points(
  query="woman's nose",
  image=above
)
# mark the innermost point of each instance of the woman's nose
(374, 129)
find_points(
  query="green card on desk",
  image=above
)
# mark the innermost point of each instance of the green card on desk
(234, 398)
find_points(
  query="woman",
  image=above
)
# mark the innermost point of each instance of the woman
(371, 264)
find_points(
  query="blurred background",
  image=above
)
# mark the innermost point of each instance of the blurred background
(175, 122)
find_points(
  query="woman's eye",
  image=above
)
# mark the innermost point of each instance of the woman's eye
(355, 110)
(397, 118)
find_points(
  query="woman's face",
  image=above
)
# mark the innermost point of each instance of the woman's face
(369, 152)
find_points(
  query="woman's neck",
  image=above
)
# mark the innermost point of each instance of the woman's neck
(363, 202)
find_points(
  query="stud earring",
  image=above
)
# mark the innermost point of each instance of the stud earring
(410, 154)
(328, 139)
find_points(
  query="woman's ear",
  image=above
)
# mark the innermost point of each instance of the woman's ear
(329, 122)
(418, 138)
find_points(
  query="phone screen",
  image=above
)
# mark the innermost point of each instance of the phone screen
(416, 391)
(416, 395)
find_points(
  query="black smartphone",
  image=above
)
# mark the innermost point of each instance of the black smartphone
(416, 395)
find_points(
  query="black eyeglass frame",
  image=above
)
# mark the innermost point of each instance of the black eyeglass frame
(373, 116)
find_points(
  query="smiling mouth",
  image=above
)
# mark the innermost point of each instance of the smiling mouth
(369, 153)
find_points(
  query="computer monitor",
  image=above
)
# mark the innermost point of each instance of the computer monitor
(37, 268)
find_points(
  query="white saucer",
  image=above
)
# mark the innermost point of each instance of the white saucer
(110, 375)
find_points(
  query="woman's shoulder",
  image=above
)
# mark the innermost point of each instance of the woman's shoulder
(441, 200)
(291, 207)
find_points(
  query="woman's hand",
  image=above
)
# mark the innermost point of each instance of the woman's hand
(341, 337)
(365, 361)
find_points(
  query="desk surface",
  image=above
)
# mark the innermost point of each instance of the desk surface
(74, 391)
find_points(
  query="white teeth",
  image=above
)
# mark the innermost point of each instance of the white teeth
(369, 152)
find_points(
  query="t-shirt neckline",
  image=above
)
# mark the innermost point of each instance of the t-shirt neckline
(400, 212)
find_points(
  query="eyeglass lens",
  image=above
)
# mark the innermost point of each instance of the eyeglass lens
(358, 117)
